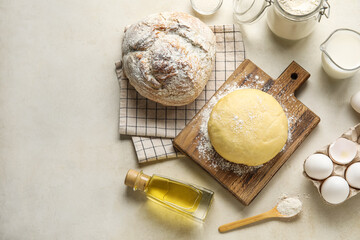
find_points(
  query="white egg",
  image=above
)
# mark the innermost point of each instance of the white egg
(318, 166)
(335, 190)
(343, 151)
(353, 175)
(355, 101)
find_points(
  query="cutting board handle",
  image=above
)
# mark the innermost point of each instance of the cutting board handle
(291, 79)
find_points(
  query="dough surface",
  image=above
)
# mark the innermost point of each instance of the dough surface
(248, 126)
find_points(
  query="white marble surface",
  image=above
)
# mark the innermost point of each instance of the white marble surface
(62, 162)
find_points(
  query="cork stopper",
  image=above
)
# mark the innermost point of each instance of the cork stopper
(136, 180)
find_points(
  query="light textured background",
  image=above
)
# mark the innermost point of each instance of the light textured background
(62, 162)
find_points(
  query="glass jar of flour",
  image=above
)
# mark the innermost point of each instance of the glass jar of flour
(289, 19)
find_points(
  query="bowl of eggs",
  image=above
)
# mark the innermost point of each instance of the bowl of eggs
(335, 169)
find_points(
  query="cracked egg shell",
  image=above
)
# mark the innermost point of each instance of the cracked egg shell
(343, 151)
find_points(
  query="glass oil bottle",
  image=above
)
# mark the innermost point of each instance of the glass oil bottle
(184, 198)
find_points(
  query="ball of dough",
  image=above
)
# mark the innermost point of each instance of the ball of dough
(248, 126)
(168, 57)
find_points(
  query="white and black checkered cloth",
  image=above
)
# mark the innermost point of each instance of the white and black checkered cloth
(152, 125)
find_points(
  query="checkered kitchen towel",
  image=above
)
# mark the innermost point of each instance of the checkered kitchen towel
(152, 125)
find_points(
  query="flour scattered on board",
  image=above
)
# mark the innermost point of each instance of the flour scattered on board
(205, 149)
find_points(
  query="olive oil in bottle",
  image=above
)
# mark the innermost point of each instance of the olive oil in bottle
(184, 198)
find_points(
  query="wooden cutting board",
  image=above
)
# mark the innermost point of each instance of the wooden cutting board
(247, 183)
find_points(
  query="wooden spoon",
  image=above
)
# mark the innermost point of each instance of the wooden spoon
(273, 213)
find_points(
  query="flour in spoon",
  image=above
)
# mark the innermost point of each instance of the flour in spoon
(289, 207)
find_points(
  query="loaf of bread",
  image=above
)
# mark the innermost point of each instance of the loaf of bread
(168, 57)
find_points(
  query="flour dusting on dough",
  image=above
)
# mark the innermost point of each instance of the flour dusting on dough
(205, 149)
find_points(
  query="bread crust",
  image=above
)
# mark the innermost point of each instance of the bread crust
(168, 57)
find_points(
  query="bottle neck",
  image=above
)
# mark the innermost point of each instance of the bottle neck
(137, 180)
(141, 182)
